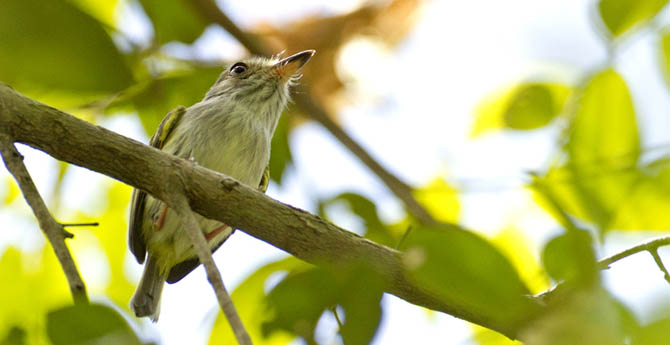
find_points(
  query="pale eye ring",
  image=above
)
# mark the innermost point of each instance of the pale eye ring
(238, 68)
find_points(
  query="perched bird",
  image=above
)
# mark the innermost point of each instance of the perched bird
(228, 131)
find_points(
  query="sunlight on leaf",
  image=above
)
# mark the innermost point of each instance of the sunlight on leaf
(523, 107)
(519, 250)
(249, 299)
(485, 336)
(440, 199)
(621, 15)
(40, 274)
(11, 190)
(102, 10)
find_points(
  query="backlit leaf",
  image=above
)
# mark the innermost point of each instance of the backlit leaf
(665, 54)
(570, 257)
(622, 15)
(440, 199)
(526, 106)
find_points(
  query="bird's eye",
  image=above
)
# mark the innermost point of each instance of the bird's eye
(238, 68)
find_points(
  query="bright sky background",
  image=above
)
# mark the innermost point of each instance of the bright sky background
(412, 109)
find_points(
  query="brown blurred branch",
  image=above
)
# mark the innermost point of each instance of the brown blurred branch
(219, 197)
(180, 204)
(317, 112)
(53, 230)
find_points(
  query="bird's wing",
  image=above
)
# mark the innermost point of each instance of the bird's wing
(137, 245)
(180, 270)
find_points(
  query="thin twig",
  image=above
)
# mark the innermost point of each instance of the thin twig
(209, 10)
(52, 229)
(337, 318)
(180, 204)
(80, 224)
(650, 246)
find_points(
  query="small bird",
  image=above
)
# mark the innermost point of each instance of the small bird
(229, 131)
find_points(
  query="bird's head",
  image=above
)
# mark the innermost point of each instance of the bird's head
(258, 81)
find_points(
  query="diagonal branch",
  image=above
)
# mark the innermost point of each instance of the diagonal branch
(651, 247)
(181, 206)
(52, 230)
(311, 107)
(216, 196)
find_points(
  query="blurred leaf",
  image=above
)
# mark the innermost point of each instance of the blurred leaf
(516, 246)
(52, 46)
(485, 336)
(466, 270)
(298, 301)
(15, 336)
(375, 229)
(11, 190)
(646, 205)
(249, 299)
(621, 15)
(584, 316)
(88, 324)
(157, 97)
(440, 199)
(665, 54)
(655, 333)
(526, 106)
(570, 257)
(37, 285)
(174, 20)
(104, 11)
(281, 156)
(603, 147)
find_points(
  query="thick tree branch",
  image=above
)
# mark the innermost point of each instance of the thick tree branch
(52, 229)
(209, 10)
(219, 197)
(180, 204)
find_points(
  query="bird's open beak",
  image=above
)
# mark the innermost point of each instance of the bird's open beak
(288, 66)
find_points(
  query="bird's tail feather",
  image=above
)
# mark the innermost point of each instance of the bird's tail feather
(146, 301)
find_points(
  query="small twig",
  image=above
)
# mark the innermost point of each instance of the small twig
(52, 230)
(651, 247)
(80, 224)
(404, 237)
(337, 317)
(180, 204)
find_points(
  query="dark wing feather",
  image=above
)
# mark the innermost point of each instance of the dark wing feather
(135, 239)
(183, 268)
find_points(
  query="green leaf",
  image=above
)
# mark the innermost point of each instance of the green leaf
(174, 20)
(298, 301)
(281, 156)
(54, 46)
(88, 324)
(621, 15)
(375, 229)
(603, 147)
(570, 257)
(665, 54)
(652, 334)
(465, 270)
(523, 107)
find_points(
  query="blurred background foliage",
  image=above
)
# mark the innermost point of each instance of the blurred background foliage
(71, 54)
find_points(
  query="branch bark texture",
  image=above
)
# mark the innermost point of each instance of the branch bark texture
(215, 196)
